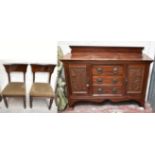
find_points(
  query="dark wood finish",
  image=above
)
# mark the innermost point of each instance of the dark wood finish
(135, 78)
(78, 74)
(5, 101)
(0, 98)
(108, 80)
(15, 68)
(46, 68)
(42, 68)
(96, 74)
(107, 70)
(107, 90)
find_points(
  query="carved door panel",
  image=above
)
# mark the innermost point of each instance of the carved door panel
(78, 79)
(135, 78)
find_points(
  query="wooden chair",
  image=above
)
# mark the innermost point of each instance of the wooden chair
(42, 90)
(15, 89)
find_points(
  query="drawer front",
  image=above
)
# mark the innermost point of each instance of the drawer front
(108, 80)
(107, 70)
(99, 90)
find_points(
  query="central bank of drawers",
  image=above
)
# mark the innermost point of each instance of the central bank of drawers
(107, 79)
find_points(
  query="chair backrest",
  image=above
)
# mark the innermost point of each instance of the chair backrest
(48, 68)
(15, 68)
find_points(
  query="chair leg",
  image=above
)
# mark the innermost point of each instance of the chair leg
(24, 100)
(0, 98)
(31, 100)
(5, 101)
(51, 101)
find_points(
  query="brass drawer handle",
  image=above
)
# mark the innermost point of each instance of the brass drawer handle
(87, 85)
(114, 90)
(100, 90)
(99, 80)
(99, 70)
(115, 70)
(114, 81)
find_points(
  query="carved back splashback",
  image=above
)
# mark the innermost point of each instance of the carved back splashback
(107, 52)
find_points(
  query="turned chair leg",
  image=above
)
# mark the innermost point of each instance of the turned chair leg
(50, 105)
(31, 100)
(5, 101)
(24, 100)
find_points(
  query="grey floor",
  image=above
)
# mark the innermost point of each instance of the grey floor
(16, 106)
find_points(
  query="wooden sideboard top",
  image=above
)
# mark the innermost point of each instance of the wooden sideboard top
(106, 53)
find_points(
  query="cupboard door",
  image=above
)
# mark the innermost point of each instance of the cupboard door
(78, 79)
(135, 78)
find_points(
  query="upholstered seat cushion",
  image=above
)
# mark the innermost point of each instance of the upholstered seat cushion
(41, 90)
(14, 89)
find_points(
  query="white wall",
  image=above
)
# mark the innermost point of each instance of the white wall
(149, 48)
(28, 50)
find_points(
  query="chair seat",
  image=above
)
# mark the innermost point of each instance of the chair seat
(41, 90)
(14, 89)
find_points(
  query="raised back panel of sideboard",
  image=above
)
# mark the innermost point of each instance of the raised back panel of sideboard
(107, 52)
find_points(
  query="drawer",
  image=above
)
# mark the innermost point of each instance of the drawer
(107, 70)
(100, 90)
(108, 80)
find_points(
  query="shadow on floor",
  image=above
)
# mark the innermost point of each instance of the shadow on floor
(16, 106)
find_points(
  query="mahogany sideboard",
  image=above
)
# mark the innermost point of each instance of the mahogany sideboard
(97, 74)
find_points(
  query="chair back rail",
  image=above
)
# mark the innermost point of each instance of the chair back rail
(15, 68)
(48, 68)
